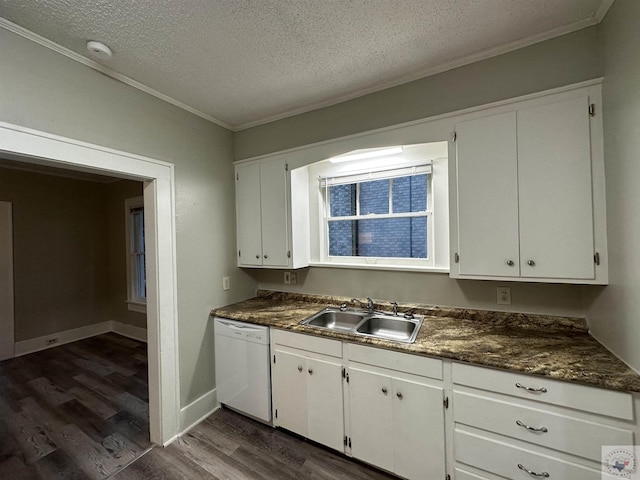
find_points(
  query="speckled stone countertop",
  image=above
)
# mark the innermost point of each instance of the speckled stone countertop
(556, 347)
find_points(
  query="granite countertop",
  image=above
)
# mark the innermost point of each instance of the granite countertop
(556, 347)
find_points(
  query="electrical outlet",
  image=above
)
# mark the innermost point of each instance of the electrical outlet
(226, 283)
(287, 278)
(293, 278)
(503, 295)
(52, 340)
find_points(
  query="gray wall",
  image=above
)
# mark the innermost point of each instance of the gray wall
(46, 91)
(61, 253)
(70, 260)
(615, 310)
(560, 61)
(118, 192)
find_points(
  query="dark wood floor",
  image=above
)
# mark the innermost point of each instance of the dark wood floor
(228, 446)
(80, 411)
(77, 411)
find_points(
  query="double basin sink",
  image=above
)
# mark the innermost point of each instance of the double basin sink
(361, 322)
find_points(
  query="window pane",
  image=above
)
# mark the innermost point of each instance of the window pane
(374, 197)
(410, 194)
(385, 237)
(137, 219)
(342, 199)
(141, 284)
(342, 235)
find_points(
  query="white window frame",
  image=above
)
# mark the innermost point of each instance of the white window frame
(135, 302)
(377, 174)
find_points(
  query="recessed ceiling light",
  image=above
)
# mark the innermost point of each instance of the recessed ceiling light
(99, 49)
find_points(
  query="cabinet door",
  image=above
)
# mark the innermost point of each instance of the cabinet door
(273, 194)
(418, 436)
(372, 430)
(554, 176)
(325, 412)
(248, 216)
(487, 194)
(289, 385)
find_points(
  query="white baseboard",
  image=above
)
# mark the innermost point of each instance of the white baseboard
(60, 338)
(130, 331)
(198, 410)
(54, 339)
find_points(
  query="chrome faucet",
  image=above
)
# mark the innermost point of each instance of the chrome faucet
(395, 308)
(370, 307)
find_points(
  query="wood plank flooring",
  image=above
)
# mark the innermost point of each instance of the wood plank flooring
(77, 411)
(229, 446)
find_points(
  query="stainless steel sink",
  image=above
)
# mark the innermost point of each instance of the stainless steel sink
(361, 322)
(336, 319)
(390, 328)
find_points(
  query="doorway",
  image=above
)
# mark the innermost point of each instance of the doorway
(31, 146)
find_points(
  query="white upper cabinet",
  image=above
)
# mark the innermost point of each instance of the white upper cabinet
(528, 201)
(487, 193)
(264, 217)
(554, 183)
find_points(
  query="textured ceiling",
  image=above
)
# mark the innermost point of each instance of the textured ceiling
(244, 62)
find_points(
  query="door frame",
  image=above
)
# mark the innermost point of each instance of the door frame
(7, 345)
(33, 146)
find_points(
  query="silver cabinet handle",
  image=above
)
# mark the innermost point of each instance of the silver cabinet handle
(310, 371)
(384, 390)
(511, 263)
(257, 256)
(266, 256)
(533, 474)
(399, 395)
(300, 368)
(531, 389)
(532, 429)
(531, 263)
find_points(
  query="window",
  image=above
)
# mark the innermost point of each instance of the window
(385, 212)
(136, 274)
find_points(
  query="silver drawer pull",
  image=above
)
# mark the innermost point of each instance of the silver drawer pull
(531, 389)
(532, 429)
(533, 474)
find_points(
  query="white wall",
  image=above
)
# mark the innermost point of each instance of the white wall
(46, 91)
(614, 311)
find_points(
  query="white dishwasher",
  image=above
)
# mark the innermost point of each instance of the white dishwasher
(243, 378)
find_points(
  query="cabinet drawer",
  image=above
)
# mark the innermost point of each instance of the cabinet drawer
(503, 459)
(581, 397)
(401, 362)
(567, 434)
(324, 346)
(462, 474)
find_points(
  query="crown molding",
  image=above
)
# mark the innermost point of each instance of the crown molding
(459, 62)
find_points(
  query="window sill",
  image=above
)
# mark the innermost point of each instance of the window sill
(394, 268)
(136, 306)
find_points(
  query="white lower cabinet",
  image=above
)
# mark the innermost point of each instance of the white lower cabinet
(423, 418)
(394, 417)
(517, 426)
(307, 393)
(397, 424)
